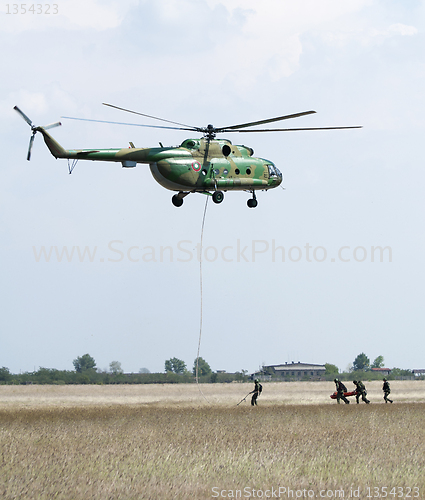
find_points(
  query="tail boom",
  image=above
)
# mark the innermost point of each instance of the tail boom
(54, 147)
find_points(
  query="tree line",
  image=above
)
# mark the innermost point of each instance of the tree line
(176, 371)
(362, 368)
(86, 372)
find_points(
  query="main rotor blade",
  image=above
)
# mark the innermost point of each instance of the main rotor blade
(190, 127)
(30, 147)
(52, 125)
(123, 123)
(260, 122)
(293, 129)
(24, 116)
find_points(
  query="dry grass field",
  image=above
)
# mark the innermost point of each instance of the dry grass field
(171, 442)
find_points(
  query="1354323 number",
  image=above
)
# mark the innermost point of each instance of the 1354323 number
(34, 8)
(392, 493)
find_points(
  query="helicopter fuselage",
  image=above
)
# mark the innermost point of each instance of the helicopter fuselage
(203, 165)
(197, 165)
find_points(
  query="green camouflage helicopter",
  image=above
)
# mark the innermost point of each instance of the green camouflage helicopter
(205, 165)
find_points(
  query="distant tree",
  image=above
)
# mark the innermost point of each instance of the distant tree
(83, 363)
(242, 376)
(115, 367)
(378, 362)
(144, 370)
(399, 372)
(331, 369)
(203, 367)
(362, 362)
(267, 370)
(4, 374)
(175, 365)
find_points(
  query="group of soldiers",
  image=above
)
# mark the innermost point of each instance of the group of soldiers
(360, 391)
(341, 391)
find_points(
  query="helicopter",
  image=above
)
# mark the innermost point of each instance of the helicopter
(204, 165)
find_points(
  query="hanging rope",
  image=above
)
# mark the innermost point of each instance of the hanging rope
(200, 285)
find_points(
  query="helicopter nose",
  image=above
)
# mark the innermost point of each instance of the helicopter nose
(278, 172)
(279, 176)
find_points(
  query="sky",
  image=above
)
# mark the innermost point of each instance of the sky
(328, 268)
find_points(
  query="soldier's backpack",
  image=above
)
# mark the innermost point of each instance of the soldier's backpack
(342, 386)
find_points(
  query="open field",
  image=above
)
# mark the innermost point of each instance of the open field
(189, 394)
(166, 442)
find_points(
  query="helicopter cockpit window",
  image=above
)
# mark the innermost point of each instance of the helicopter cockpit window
(272, 170)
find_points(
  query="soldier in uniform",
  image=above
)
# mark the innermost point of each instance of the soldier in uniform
(360, 391)
(340, 389)
(387, 390)
(258, 388)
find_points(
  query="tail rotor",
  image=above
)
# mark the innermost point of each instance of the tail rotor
(34, 129)
(30, 145)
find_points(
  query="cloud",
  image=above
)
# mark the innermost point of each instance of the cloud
(366, 35)
(402, 29)
(268, 42)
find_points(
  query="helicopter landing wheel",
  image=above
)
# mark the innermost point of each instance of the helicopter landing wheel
(252, 203)
(218, 196)
(177, 201)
